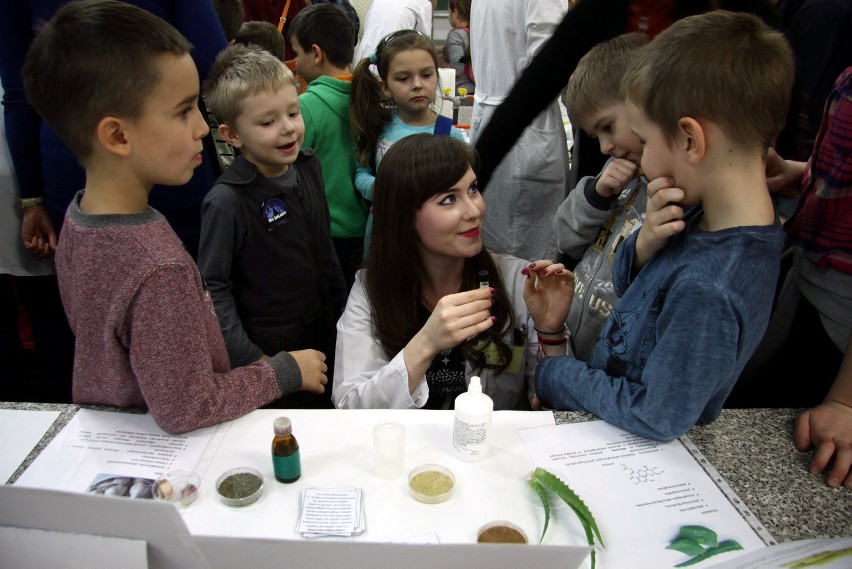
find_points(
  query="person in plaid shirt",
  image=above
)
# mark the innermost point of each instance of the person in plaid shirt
(815, 303)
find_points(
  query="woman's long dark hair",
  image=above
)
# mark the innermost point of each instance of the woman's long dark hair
(413, 170)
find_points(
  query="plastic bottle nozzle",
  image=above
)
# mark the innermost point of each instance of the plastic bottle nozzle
(475, 385)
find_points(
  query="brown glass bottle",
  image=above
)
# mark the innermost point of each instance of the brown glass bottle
(286, 461)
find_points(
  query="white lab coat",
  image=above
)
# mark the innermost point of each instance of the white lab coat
(386, 16)
(365, 378)
(529, 185)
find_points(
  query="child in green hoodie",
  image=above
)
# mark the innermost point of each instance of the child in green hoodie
(323, 38)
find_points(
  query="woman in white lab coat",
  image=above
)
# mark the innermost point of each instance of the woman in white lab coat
(386, 16)
(420, 319)
(528, 186)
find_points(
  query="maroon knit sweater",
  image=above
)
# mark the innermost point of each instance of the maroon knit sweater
(146, 333)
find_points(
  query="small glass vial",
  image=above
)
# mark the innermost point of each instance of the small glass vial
(285, 452)
(483, 279)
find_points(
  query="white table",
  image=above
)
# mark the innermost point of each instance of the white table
(336, 451)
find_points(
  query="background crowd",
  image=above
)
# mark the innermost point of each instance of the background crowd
(260, 200)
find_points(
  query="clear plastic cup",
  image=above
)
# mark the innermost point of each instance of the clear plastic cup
(389, 449)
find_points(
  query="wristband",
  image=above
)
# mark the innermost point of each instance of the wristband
(546, 342)
(27, 202)
(562, 331)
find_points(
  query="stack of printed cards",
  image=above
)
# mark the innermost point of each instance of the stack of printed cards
(331, 512)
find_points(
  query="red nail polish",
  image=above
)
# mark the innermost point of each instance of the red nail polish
(493, 319)
(525, 271)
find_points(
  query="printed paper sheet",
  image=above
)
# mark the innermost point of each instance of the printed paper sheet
(642, 494)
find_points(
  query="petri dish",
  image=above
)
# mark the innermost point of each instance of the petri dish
(431, 483)
(501, 531)
(179, 487)
(239, 487)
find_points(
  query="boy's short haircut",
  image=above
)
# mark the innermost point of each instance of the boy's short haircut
(238, 72)
(729, 68)
(330, 28)
(463, 7)
(93, 59)
(597, 79)
(231, 14)
(265, 35)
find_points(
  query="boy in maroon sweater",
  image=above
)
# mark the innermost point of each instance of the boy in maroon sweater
(124, 98)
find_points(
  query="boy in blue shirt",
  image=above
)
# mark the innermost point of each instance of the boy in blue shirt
(702, 269)
(266, 250)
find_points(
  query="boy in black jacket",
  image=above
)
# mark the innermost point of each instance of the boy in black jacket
(266, 250)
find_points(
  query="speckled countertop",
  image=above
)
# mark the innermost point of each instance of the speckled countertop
(751, 448)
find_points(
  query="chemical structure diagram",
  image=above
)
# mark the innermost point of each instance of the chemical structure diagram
(642, 474)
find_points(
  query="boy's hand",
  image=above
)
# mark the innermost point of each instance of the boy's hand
(37, 232)
(663, 218)
(828, 428)
(615, 176)
(783, 176)
(312, 365)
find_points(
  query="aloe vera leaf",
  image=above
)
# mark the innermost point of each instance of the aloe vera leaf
(724, 546)
(590, 539)
(545, 501)
(553, 483)
(686, 546)
(700, 534)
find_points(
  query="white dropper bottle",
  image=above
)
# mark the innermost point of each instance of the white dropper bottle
(472, 425)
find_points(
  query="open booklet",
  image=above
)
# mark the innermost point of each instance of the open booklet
(804, 554)
(656, 504)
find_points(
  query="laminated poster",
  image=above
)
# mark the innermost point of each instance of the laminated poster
(115, 454)
(657, 504)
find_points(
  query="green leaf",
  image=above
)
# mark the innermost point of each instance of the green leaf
(699, 534)
(686, 546)
(723, 547)
(558, 487)
(545, 501)
(588, 530)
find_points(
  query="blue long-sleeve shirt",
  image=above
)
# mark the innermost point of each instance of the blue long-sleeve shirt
(684, 328)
